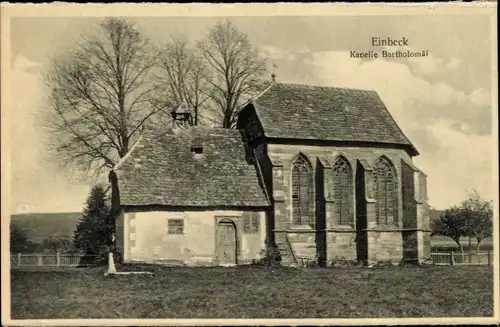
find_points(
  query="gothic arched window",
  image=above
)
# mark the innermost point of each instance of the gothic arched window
(385, 191)
(342, 190)
(302, 185)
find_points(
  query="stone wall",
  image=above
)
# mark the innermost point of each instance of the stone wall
(341, 245)
(423, 219)
(385, 246)
(146, 238)
(362, 238)
(411, 245)
(120, 233)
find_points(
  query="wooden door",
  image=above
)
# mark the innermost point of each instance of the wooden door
(226, 235)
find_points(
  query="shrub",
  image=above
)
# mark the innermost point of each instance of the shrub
(19, 240)
(383, 264)
(343, 262)
(270, 256)
(311, 264)
(56, 244)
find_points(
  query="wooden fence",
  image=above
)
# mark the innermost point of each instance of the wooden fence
(458, 258)
(55, 260)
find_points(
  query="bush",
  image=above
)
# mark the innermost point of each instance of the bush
(311, 264)
(101, 259)
(343, 262)
(19, 240)
(56, 244)
(270, 256)
(384, 264)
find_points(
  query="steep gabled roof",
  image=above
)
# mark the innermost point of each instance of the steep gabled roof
(294, 111)
(161, 169)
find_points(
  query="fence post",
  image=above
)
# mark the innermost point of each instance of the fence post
(489, 257)
(39, 260)
(470, 257)
(452, 259)
(58, 259)
(18, 259)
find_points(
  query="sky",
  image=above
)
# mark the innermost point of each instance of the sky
(442, 102)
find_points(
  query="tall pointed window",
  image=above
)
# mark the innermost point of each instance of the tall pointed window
(385, 192)
(302, 184)
(342, 189)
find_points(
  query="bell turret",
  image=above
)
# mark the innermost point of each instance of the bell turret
(182, 116)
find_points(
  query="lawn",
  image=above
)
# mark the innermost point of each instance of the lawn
(255, 292)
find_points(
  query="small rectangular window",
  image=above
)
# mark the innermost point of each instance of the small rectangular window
(176, 226)
(255, 221)
(246, 222)
(251, 222)
(197, 149)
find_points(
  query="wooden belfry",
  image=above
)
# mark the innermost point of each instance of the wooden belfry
(182, 116)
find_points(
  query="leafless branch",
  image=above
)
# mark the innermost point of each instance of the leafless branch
(235, 67)
(182, 76)
(100, 95)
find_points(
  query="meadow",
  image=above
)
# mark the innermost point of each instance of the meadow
(254, 292)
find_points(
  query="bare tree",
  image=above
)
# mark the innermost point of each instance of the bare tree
(472, 218)
(451, 223)
(236, 69)
(101, 96)
(479, 217)
(182, 77)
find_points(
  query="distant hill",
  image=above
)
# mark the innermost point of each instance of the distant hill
(45, 225)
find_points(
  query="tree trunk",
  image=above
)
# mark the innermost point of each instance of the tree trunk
(478, 243)
(459, 244)
(470, 244)
(195, 116)
(461, 247)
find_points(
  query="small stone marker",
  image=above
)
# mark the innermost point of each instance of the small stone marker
(112, 269)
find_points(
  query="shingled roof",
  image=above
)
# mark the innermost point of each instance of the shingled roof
(294, 111)
(161, 169)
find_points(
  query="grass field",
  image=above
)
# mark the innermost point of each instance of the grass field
(255, 292)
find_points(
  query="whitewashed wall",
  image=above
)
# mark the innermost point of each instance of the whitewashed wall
(146, 237)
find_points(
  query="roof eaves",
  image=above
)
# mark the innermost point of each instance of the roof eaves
(275, 137)
(412, 146)
(254, 204)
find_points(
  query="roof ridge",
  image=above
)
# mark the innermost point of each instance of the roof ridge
(315, 86)
(197, 127)
(252, 99)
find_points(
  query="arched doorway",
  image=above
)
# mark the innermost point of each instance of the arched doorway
(226, 243)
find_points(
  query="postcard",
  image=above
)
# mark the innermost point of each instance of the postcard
(249, 164)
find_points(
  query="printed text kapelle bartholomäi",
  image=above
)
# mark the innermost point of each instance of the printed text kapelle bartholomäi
(388, 42)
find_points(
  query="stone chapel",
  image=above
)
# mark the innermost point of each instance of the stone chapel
(322, 173)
